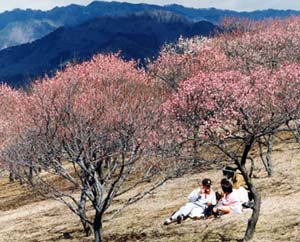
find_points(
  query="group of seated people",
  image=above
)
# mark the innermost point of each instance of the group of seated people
(203, 202)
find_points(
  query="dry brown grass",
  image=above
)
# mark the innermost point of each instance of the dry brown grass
(12, 195)
(279, 221)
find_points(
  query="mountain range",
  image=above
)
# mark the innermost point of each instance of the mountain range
(35, 42)
(137, 36)
(22, 26)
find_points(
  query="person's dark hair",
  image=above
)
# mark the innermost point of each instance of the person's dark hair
(228, 171)
(206, 182)
(226, 186)
(223, 181)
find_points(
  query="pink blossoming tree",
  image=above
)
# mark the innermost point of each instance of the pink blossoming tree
(233, 111)
(88, 126)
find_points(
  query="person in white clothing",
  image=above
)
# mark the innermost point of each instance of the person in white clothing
(242, 194)
(230, 202)
(238, 184)
(198, 200)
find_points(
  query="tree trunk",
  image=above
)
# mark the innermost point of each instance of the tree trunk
(11, 176)
(251, 167)
(268, 160)
(81, 207)
(30, 175)
(86, 227)
(269, 153)
(97, 226)
(195, 146)
(195, 153)
(255, 213)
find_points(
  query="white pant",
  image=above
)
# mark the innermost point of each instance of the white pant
(190, 209)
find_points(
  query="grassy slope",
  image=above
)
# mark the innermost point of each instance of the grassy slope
(47, 220)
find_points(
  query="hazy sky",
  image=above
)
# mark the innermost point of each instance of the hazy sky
(239, 5)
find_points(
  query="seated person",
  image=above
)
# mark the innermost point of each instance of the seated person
(198, 200)
(230, 202)
(238, 183)
(235, 176)
(242, 194)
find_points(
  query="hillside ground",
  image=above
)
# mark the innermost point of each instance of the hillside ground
(27, 217)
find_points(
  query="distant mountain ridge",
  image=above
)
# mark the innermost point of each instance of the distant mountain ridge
(45, 40)
(72, 15)
(137, 36)
(22, 26)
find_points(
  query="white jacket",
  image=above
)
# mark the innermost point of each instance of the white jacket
(242, 194)
(202, 199)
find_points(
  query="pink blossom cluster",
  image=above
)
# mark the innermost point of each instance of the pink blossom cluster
(11, 114)
(268, 43)
(245, 81)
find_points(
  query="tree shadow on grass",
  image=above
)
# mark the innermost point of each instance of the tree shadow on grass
(126, 237)
(213, 236)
